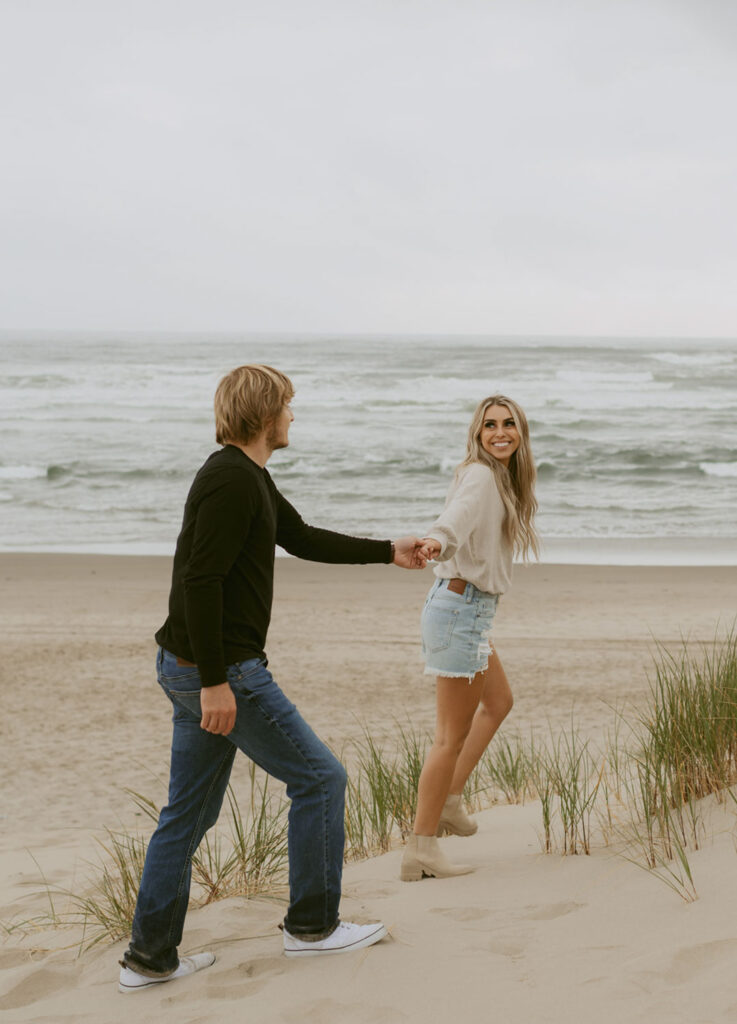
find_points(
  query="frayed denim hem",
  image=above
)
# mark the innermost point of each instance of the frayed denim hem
(470, 676)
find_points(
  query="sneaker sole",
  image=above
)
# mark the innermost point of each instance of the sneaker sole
(367, 940)
(147, 982)
(126, 989)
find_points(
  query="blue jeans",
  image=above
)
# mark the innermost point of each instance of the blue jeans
(269, 730)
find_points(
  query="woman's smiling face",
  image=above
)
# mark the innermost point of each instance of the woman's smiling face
(499, 435)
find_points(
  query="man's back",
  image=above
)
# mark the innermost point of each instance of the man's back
(222, 581)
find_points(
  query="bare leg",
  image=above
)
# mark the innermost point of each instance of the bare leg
(494, 705)
(456, 703)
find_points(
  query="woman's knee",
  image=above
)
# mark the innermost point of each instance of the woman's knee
(499, 706)
(451, 743)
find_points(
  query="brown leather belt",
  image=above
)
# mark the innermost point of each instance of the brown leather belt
(189, 664)
(457, 585)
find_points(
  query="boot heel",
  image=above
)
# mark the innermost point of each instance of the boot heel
(410, 874)
(411, 869)
(453, 819)
(423, 858)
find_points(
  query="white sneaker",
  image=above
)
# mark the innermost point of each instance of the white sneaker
(131, 981)
(344, 939)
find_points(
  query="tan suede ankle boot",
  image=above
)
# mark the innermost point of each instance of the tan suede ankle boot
(424, 858)
(453, 818)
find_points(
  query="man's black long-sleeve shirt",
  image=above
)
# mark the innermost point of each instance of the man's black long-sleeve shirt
(222, 582)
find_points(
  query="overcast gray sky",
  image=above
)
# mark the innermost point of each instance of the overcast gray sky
(444, 166)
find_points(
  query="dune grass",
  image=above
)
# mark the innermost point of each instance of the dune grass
(689, 730)
(381, 796)
(644, 794)
(508, 766)
(106, 907)
(248, 859)
(685, 750)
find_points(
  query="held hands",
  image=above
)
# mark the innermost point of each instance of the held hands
(431, 547)
(218, 709)
(411, 553)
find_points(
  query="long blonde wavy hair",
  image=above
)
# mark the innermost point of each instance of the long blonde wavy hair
(516, 484)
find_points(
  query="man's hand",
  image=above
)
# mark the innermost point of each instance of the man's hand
(218, 709)
(409, 553)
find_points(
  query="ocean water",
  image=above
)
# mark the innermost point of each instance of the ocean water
(635, 441)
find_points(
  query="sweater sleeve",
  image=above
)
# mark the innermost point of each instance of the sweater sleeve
(318, 545)
(454, 525)
(223, 521)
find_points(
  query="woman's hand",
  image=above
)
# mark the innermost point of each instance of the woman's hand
(431, 548)
(409, 553)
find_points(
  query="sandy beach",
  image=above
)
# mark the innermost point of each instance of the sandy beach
(527, 937)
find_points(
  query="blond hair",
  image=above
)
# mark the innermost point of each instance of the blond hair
(516, 483)
(247, 400)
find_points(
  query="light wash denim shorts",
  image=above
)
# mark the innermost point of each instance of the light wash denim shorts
(455, 630)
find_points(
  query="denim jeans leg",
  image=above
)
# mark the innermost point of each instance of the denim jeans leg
(200, 769)
(270, 730)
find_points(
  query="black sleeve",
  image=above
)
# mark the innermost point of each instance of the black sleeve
(317, 545)
(223, 521)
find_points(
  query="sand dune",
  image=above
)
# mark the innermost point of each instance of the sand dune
(527, 937)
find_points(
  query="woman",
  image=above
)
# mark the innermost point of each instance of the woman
(488, 517)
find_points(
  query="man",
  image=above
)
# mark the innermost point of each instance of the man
(211, 664)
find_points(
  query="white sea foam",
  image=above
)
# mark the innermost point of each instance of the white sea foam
(605, 377)
(21, 472)
(719, 468)
(696, 358)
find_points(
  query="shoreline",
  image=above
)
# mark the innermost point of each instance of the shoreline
(632, 552)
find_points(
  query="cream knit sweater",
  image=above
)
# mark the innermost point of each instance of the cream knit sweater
(469, 530)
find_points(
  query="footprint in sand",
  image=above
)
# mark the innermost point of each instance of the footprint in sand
(552, 911)
(462, 913)
(236, 982)
(263, 965)
(512, 948)
(33, 988)
(357, 1013)
(689, 962)
(373, 890)
(13, 958)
